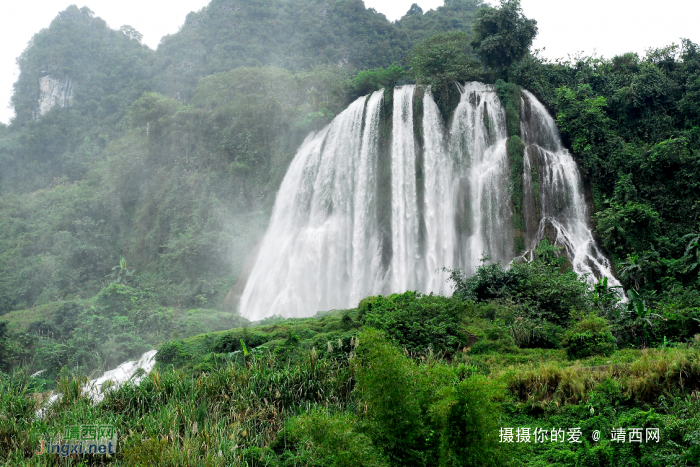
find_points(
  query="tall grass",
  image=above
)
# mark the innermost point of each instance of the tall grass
(175, 418)
(656, 372)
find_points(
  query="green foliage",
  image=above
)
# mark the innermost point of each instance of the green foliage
(17, 411)
(102, 70)
(491, 339)
(628, 120)
(510, 96)
(628, 227)
(295, 35)
(419, 414)
(503, 35)
(417, 323)
(469, 425)
(120, 273)
(581, 117)
(442, 60)
(372, 406)
(171, 353)
(4, 363)
(330, 439)
(589, 336)
(516, 152)
(367, 81)
(641, 316)
(537, 286)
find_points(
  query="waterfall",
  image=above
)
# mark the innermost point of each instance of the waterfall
(132, 371)
(385, 196)
(562, 208)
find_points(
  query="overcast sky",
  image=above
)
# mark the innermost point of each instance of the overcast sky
(610, 27)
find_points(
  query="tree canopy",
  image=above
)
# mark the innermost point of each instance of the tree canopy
(503, 35)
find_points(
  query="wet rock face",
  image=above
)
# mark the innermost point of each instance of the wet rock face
(53, 92)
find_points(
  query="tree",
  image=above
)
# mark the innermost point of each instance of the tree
(131, 33)
(503, 36)
(414, 10)
(442, 60)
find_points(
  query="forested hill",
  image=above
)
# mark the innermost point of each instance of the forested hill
(171, 158)
(295, 35)
(102, 71)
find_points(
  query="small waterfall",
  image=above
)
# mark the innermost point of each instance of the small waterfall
(561, 207)
(127, 371)
(370, 206)
(112, 379)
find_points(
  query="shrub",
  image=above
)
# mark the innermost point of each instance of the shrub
(171, 353)
(324, 438)
(540, 286)
(422, 414)
(368, 81)
(491, 339)
(417, 322)
(387, 385)
(590, 336)
(469, 425)
(527, 333)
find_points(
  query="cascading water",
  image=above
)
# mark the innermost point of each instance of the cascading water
(360, 214)
(132, 371)
(439, 198)
(560, 213)
(404, 201)
(478, 145)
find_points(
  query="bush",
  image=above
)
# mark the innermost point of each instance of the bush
(417, 322)
(368, 81)
(540, 286)
(469, 425)
(423, 414)
(323, 438)
(171, 353)
(527, 333)
(590, 336)
(491, 339)
(388, 384)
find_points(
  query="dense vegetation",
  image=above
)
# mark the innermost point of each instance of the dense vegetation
(401, 380)
(127, 219)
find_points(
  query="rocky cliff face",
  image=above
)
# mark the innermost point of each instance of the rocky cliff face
(53, 92)
(79, 62)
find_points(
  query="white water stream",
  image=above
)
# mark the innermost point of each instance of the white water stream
(133, 371)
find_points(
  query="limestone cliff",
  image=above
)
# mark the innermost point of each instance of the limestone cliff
(53, 92)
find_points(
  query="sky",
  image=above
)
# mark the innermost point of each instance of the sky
(608, 27)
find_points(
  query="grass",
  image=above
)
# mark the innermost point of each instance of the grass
(293, 400)
(20, 320)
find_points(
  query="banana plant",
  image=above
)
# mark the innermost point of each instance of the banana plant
(641, 314)
(692, 250)
(120, 273)
(605, 297)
